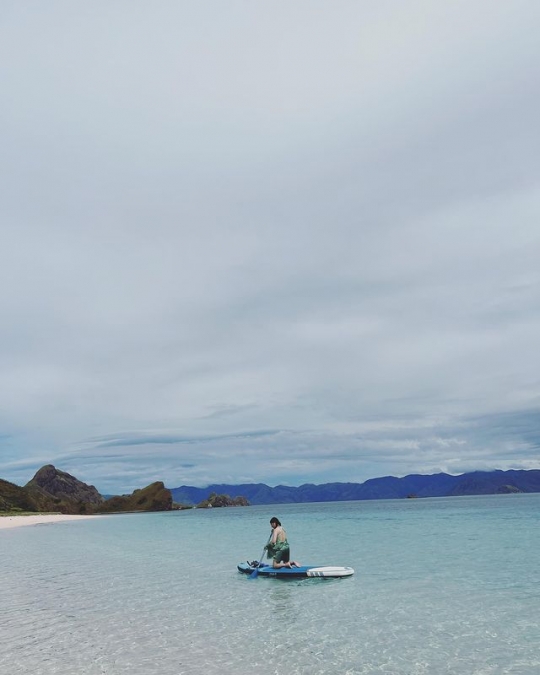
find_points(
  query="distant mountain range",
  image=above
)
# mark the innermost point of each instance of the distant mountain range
(54, 490)
(388, 487)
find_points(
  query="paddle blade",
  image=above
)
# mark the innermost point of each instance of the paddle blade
(254, 574)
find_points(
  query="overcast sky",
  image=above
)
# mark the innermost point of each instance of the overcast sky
(278, 242)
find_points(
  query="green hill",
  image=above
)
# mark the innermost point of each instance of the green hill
(15, 498)
(154, 497)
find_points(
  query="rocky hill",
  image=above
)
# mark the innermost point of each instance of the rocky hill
(155, 497)
(53, 490)
(63, 486)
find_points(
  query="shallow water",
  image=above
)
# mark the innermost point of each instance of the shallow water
(442, 586)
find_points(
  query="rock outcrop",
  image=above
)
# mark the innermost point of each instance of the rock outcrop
(64, 486)
(215, 500)
(154, 497)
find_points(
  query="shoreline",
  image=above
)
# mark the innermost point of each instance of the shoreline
(8, 522)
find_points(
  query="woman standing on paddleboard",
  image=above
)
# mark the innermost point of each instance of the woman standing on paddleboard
(278, 546)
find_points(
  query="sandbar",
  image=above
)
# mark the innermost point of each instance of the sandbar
(21, 521)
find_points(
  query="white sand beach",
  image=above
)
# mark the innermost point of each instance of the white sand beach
(21, 521)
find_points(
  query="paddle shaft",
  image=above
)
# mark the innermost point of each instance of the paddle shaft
(256, 571)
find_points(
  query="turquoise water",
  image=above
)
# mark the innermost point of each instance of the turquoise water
(442, 586)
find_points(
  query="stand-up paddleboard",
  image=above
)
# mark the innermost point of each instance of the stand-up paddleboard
(303, 572)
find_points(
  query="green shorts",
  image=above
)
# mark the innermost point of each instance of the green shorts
(279, 552)
(282, 555)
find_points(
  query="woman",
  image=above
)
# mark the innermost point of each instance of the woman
(278, 546)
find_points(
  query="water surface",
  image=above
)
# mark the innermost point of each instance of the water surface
(442, 586)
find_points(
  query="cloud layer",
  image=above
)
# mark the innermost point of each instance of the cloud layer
(268, 242)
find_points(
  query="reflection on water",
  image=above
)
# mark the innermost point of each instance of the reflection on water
(283, 600)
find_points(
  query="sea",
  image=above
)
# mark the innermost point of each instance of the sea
(445, 586)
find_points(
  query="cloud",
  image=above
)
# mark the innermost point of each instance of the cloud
(131, 440)
(301, 236)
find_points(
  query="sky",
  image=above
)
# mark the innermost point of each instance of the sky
(279, 242)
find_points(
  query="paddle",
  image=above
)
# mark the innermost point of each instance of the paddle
(255, 572)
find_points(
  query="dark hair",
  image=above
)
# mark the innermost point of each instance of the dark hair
(275, 520)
